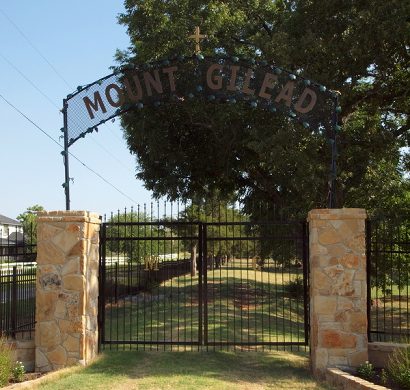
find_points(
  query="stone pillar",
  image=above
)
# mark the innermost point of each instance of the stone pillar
(66, 289)
(338, 316)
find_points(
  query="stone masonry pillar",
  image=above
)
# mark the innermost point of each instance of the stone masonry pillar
(338, 316)
(66, 289)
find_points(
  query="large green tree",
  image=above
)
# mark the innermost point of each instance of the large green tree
(358, 47)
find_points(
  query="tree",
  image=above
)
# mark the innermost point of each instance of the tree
(195, 149)
(219, 218)
(144, 227)
(29, 221)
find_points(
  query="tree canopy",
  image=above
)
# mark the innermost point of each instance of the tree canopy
(197, 149)
(29, 221)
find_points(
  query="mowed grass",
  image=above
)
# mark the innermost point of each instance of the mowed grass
(390, 314)
(243, 306)
(190, 370)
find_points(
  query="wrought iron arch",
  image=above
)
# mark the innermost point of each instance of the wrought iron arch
(217, 79)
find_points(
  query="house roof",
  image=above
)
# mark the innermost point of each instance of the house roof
(8, 221)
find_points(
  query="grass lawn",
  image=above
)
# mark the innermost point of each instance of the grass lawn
(244, 305)
(390, 314)
(190, 370)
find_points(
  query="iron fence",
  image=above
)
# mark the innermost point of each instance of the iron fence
(388, 266)
(18, 247)
(209, 276)
(18, 254)
(17, 299)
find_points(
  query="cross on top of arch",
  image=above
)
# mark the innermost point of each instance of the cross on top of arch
(197, 36)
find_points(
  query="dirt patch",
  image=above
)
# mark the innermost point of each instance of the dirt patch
(246, 297)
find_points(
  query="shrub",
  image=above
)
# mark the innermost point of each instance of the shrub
(399, 367)
(384, 377)
(18, 372)
(295, 287)
(366, 371)
(5, 362)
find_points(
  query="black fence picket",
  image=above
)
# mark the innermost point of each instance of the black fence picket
(388, 279)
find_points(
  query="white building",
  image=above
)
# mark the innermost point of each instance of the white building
(11, 236)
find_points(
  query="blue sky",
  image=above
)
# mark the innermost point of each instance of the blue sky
(79, 39)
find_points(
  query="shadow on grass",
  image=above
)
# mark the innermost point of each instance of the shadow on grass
(233, 367)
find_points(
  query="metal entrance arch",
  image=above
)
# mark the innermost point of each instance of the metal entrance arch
(219, 79)
(203, 285)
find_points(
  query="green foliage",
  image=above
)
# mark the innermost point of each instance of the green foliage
(216, 212)
(366, 371)
(136, 250)
(357, 48)
(18, 372)
(29, 221)
(399, 367)
(384, 378)
(150, 227)
(5, 362)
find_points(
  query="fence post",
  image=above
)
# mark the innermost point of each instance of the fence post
(14, 302)
(368, 274)
(116, 283)
(338, 293)
(66, 289)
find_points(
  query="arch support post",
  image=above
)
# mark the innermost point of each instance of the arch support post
(65, 154)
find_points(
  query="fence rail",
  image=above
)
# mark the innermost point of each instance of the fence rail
(388, 279)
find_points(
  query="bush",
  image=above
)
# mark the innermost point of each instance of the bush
(5, 362)
(384, 379)
(295, 287)
(399, 367)
(366, 371)
(18, 372)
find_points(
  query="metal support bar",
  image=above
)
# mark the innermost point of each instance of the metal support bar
(200, 281)
(66, 184)
(368, 274)
(14, 302)
(306, 294)
(102, 277)
(205, 283)
(333, 167)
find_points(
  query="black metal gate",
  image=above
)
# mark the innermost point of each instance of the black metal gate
(172, 284)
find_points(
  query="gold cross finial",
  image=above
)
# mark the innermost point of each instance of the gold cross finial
(197, 36)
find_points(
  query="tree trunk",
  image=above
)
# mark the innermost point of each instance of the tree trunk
(193, 260)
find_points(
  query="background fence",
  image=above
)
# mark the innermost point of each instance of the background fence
(388, 256)
(125, 279)
(17, 283)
